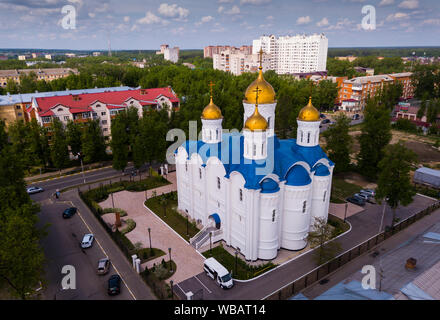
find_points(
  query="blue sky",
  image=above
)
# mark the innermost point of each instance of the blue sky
(145, 24)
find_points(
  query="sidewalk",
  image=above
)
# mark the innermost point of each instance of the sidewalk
(189, 262)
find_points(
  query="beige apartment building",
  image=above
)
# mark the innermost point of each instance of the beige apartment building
(42, 74)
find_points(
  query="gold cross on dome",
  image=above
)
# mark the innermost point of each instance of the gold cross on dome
(257, 91)
(211, 84)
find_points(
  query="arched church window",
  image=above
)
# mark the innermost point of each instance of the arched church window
(241, 195)
(255, 149)
(186, 166)
(323, 198)
(273, 215)
(200, 173)
(218, 183)
(268, 121)
(308, 137)
(262, 148)
(216, 134)
(304, 206)
(302, 136)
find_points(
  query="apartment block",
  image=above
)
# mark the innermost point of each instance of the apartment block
(294, 54)
(210, 51)
(42, 74)
(237, 62)
(103, 106)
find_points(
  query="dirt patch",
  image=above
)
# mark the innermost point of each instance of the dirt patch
(356, 178)
(425, 152)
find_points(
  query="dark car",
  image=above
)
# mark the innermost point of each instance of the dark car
(325, 121)
(322, 116)
(69, 212)
(356, 201)
(114, 285)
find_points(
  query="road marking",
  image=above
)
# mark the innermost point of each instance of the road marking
(203, 284)
(104, 252)
(177, 285)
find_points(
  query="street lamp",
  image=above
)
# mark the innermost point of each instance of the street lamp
(149, 236)
(171, 267)
(172, 293)
(113, 201)
(80, 155)
(345, 214)
(236, 262)
(187, 233)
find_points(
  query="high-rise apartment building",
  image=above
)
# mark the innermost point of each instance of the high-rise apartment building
(294, 54)
(210, 51)
(237, 62)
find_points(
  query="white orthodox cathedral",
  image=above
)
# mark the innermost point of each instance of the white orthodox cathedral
(256, 192)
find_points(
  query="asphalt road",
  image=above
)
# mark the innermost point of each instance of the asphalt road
(61, 246)
(364, 225)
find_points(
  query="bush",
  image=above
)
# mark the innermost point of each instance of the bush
(122, 212)
(131, 224)
(405, 125)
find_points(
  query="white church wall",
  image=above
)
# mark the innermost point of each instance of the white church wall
(320, 198)
(268, 243)
(215, 188)
(266, 110)
(296, 220)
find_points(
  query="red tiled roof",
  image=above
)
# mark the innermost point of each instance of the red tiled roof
(113, 97)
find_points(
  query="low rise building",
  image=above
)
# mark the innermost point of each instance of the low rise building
(102, 106)
(15, 107)
(42, 74)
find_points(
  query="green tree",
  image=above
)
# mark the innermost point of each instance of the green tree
(93, 143)
(321, 235)
(394, 183)
(59, 150)
(120, 143)
(375, 136)
(339, 143)
(73, 136)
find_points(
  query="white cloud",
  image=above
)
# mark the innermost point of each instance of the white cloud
(225, 1)
(254, 2)
(341, 24)
(386, 3)
(232, 11)
(303, 20)
(324, 22)
(435, 22)
(204, 20)
(149, 18)
(409, 4)
(126, 19)
(92, 14)
(397, 16)
(172, 11)
(269, 18)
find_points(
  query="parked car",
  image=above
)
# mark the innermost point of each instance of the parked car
(103, 266)
(370, 192)
(356, 201)
(370, 198)
(363, 196)
(87, 241)
(322, 116)
(32, 190)
(325, 121)
(69, 212)
(356, 116)
(114, 285)
(218, 273)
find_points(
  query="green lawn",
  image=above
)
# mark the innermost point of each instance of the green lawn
(244, 271)
(342, 190)
(168, 213)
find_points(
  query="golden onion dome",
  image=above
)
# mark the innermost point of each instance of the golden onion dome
(267, 93)
(309, 113)
(211, 112)
(256, 121)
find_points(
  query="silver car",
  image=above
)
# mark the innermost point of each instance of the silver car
(370, 192)
(87, 241)
(32, 190)
(103, 266)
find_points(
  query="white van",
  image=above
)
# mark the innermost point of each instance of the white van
(218, 273)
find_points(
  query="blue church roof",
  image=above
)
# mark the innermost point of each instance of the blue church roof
(282, 155)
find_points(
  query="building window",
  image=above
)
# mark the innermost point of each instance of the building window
(273, 216)
(104, 121)
(105, 129)
(200, 173)
(186, 166)
(218, 183)
(255, 150)
(17, 107)
(66, 118)
(304, 206)
(308, 137)
(323, 198)
(241, 195)
(301, 136)
(102, 113)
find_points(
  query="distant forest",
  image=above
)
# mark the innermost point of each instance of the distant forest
(385, 52)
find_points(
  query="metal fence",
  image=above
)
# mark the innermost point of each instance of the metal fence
(324, 270)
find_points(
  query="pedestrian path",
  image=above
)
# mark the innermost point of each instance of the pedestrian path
(189, 262)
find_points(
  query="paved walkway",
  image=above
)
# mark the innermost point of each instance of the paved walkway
(338, 210)
(189, 262)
